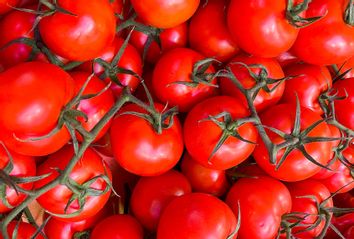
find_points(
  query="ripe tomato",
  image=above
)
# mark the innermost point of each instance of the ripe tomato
(24, 231)
(23, 166)
(152, 194)
(296, 166)
(202, 135)
(6, 5)
(209, 34)
(260, 27)
(172, 70)
(118, 226)
(204, 179)
(165, 14)
(88, 167)
(196, 215)
(263, 99)
(38, 92)
(147, 153)
(81, 37)
(263, 201)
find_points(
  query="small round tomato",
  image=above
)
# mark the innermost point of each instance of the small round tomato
(197, 215)
(202, 135)
(152, 194)
(63, 202)
(165, 14)
(118, 226)
(171, 74)
(24, 230)
(82, 36)
(7, 5)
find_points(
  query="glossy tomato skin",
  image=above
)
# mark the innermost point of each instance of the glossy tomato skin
(264, 31)
(177, 66)
(81, 37)
(204, 179)
(96, 107)
(170, 38)
(118, 226)
(329, 40)
(165, 14)
(263, 201)
(151, 195)
(296, 167)
(263, 99)
(201, 135)
(38, 91)
(24, 231)
(209, 34)
(309, 83)
(23, 166)
(89, 166)
(196, 215)
(147, 153)
(6, 5)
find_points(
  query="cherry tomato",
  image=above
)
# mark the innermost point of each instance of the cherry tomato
(24, 230)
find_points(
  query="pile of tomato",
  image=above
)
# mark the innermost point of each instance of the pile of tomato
(184, 119)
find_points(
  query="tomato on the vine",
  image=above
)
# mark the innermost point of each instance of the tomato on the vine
(23, 230)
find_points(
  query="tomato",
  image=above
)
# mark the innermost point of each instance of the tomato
(204, 179)
(81, 37)
(329, 40)
(24, 231)
(260, 27)
(308, 83)
(263, 99)
(196, 215)
(6, 5)
(344, 224)
(307, 207)
(165, 14)
(38, 92)
(88, 167)
(209, 34)
(147, 153)
(262, 201)
(344, 200)
(23, 166)
(172, 70)
(170, 38)
(130, 60)
(152, 194)
(201, 135)
(296, 166)
(118, 226)
(96, 107)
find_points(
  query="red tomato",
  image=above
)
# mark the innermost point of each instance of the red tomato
(88, 167)
(96, 107)
(344, 224)
(263, 99)
(165, 14)
(261, 27)
(6, 5)
(118, 226)
(23, 166)
(81, 37)
(147, 153)
(263, 201)
(344, 200)
(152, 194)
(204, 179)
(24, 231)
(196, 215)
(202, 135)
(38, 92)
(209, 34)
(296, 166)
(172, 70)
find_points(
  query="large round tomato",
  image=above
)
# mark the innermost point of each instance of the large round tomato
(196, 215)
(171, 72)
(139, 148)
(57, 200)
(165, 14)
(262, 201)
(296, 166)
(201, 134)
(38, 92)
(6, 5)
(82, 36)
(24, 231)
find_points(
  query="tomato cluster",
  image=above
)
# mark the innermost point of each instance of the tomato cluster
(169, 119)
